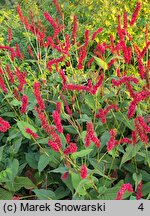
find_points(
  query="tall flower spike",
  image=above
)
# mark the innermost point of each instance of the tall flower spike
(38, 96)
(139, 191)
(57, 121)
(99, 30)
(24, 104)
(74, 31)
(135, 14)
(31, 133)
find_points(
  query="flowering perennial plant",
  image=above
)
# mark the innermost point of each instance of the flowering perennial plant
(74, 108)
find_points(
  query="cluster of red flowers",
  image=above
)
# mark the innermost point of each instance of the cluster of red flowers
(90, 136)
(4, 125)
(102, 113)
(123, 189)
(37, 94)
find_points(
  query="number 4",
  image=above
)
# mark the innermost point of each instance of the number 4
(141, 207)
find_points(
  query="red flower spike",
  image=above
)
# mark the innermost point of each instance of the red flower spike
(2, 85)
(65, 176)
(135, 14)
(58, 107)
(139, 191)
(4, 125)
(96, 33)
(134, 138)
(68, 138)
(10, 74)
(38, 96)
(90, 136)
(11, 50)
(125, 20)
(30, 51)
(123, 189)
(50, 20)
(21, 78)
(74, 31)
(58, 8)
(18, 53)
(24, 104)
(45, 125)
(83, 171)
(9, 35)
(140, 131)
(112, 142)
(57, 121)
(54, 146)
(31, 133)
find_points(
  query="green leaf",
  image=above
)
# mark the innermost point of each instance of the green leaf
(8, 114)
(16, 144)
(99, 168)
(1, 152)
(43, 162)
(23, 125)
(32, 160)
(5, 195)
(131, 152)
(15, 102)
(132, 198)
(137, 178)
(145, 175)
(101, 63)
(89, 100)
(70, 129)
(14, 167)
(20, 182)
(146, 188)
(123, 119)
(105, 138)
(43, 194)
(25, 182)
(43, 141)
(84, 118)
(61, 193)
(75, 177)
(59, 170)
(81, 153)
